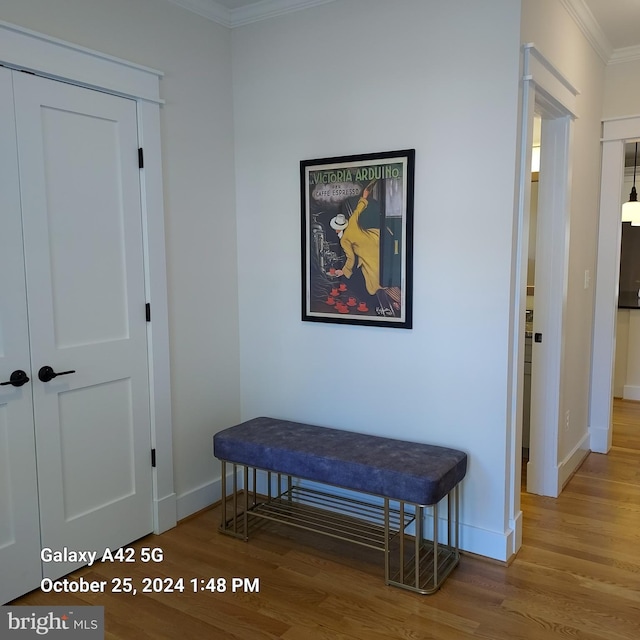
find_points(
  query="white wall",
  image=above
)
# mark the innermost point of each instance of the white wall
(197, 138)
(353, 77)
(549, 26)
(622, 90)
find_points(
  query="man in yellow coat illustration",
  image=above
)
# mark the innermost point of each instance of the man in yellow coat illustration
(360, 243)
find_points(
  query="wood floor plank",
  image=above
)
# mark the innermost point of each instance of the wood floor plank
(576, 577)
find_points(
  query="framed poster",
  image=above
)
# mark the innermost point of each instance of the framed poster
(357, 236)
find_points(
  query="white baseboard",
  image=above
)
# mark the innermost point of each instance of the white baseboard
(514, 537)
(203, 496)
(490, 544)
(571, 462)
(600, 439)
(631, 392)
(165, 514)
(199, 498)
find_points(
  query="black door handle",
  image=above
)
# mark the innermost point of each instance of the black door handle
(16, 379)
(46, 373)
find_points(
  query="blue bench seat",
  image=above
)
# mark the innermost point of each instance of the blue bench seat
(417, 473)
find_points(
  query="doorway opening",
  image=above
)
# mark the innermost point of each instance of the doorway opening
(548, 322)
(626, 380)
(616, 134)
(548, 94)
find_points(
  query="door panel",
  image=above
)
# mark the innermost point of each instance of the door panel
(82, 228)
(19, 526)
(93, 209)
(114, 401)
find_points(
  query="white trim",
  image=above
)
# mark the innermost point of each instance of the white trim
(614, 134)
(590, 28)
(24, 49)
(539, 70)
(514, 538)
(582, 16)
(624, 128)
(605, 121)
(515, 396)
(261, 10)
(572, 462)
(545, 91)
(625, 54)
(156, 287)
(209, 9)
(631, 392)
(491, 544)
(552, 250)
(164, 513)
(209, 493)
(200, 498)
(270, 9)
(600, 439)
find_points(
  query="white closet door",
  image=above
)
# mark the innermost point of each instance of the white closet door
(19, 525)
(82, 225)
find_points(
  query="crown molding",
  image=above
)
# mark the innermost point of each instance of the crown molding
(265, 9)
(261, 10)
(626, 54)
(208, 9)
(589, 26)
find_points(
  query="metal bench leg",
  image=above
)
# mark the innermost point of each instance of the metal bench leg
(245, 522)
(386, 542)
(223, 524)
(401, 541)
(435, 546)
(235, 498)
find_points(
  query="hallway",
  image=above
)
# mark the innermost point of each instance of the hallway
(576, 576)
(583, 545)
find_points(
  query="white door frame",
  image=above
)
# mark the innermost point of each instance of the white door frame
(615, 133)
(27, 50)
(544, 474)
(546, 92)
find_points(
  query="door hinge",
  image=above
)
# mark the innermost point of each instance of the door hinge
(153, 457)
(140, 158)
(147, 308)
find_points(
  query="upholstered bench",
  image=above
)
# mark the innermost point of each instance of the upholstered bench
(399, 486)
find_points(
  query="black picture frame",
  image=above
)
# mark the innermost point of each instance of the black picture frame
(357, 239)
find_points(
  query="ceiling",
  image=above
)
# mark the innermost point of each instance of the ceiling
(619, 21)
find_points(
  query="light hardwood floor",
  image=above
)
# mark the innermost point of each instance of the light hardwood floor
(576, 577)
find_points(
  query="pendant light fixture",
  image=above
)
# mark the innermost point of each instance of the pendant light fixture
(631, 209)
